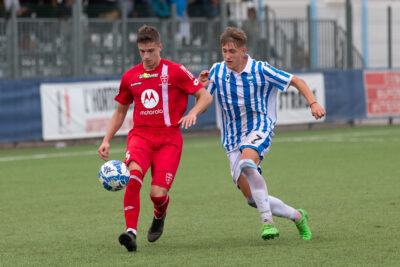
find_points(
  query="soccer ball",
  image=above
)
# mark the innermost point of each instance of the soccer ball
(114, 175)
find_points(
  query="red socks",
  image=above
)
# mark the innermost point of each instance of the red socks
(160, 205)
(132, 200)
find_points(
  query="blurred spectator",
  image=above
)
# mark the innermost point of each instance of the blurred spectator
(142, 8)
(107, 9)
(47, 9)
(184, 25)
(196, 8)
(212, 8)
(251, 26)
(162, 8)
(24, 8)
(180, 8)
(126, 5)
(65, 8)
(205, 8)
(2, 9)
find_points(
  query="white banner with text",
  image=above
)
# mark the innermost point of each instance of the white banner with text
(79, 109)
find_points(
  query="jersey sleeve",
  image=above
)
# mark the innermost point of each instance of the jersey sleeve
(187, 81)
(277, 78)
(211, 85)
(124, 95)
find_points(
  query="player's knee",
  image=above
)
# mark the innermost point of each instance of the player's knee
(134, 184)
(158, 191)
(132, 165)
(247, 166)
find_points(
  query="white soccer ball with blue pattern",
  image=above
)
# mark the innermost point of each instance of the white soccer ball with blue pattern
(114, 175)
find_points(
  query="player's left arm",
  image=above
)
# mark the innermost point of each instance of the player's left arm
(316, 109)
(203, 100)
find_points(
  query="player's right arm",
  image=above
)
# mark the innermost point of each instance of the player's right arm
(117, 120)
(316, 109)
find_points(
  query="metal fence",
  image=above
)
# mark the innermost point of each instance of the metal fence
(290, 45)
(78, 46)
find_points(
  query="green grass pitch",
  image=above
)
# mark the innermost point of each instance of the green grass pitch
(54, 212)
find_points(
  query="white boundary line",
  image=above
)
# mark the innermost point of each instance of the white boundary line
(55, 155)
(352, 137)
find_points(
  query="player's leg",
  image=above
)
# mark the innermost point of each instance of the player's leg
(245, 188)
(238, 179)
(165, 164)
(253, 149)
(138, 158)
(160, 198)
(278, 207)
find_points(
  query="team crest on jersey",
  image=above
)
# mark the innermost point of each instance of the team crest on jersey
(149, 98)
(164, 79)
(168, 178)
(227, 77)
(250, 78)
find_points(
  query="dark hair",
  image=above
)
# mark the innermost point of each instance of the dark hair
(148, 34)
(233, 35)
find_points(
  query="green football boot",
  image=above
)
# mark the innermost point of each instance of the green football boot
(302, 226)
(269, 231)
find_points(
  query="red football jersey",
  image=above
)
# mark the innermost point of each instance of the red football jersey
(160, 95)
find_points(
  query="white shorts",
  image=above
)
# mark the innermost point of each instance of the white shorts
(257, 140)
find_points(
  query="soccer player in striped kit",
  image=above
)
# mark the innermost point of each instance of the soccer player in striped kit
(246, 91)
(159, 90)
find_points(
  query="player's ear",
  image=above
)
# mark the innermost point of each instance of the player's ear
(244, 49)
(160, 46)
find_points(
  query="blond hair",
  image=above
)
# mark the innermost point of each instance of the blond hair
(233, 35)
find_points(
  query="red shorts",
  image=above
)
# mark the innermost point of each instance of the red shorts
(159, 148)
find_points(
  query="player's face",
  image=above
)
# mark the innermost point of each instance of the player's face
(150, 54)
(234, 56)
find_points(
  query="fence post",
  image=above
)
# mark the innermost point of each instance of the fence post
(389, 14)
(13, 34)
(77, 59)
(349, 28)
(295, 62)
(365, 27)
(210, 41)
(335, 44)
(313, 28)
(124, 29)
(310, 37)
(174, 30)
(267, 37)
(115, 51)
(261, 17)
(224, 16)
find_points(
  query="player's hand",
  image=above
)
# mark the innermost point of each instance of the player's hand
(203, 78)
(103, 150)
(317, 111)
(188, 121)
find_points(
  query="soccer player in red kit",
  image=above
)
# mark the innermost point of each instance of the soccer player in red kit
(159, 90)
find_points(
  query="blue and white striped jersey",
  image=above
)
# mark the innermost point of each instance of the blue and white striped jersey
(246, 100)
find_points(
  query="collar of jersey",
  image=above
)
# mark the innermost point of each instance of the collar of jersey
(246, 69)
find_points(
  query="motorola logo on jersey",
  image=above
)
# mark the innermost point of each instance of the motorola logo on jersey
(149, 98)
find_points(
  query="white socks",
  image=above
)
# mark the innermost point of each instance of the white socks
(258, 188)
(131, 230)
(280, 209)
